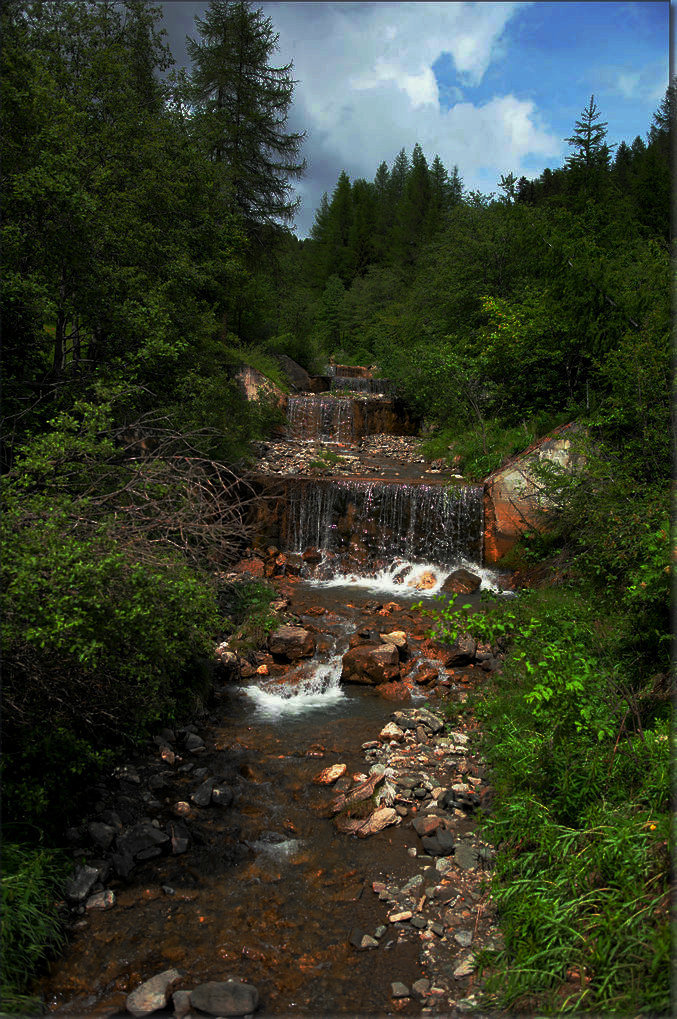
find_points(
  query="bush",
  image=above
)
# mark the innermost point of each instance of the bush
(580, 756)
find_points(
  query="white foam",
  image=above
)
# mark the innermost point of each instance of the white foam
(403, 576)
(313, 686)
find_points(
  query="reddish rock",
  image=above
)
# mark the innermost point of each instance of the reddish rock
(426, 675)
(371, 665)
(426, 825)
(254, 567)
(330, 774)
(291, 642)
(396, 691)
(461, 582)
(514, 501)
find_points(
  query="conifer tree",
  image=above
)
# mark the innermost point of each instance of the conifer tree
(588, 141)
(242, 103)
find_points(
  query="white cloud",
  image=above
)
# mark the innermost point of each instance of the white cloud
(366, 88)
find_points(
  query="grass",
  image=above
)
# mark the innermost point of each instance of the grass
(580, 758)
(31, 929)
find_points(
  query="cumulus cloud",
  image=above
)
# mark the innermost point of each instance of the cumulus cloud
(366, 88)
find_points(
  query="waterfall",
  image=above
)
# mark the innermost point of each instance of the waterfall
(384, 521)
(324, 418)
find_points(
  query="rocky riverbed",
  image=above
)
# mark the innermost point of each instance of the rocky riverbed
(374, 903)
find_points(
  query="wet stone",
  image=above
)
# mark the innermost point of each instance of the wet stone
(222, 795)
(399, 990)
(153, 994)
(203, 794)
(80, 884)
(101, 900)
(101, 834)
(229, 998)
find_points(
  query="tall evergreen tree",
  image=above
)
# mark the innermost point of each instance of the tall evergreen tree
(588, 141)
(242, 104)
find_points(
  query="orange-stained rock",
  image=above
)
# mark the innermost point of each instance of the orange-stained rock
(330, 774)
(514, 501)
(395, 691)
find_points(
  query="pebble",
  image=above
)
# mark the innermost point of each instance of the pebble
(399, 990)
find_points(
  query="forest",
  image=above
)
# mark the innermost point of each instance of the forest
(148, 255)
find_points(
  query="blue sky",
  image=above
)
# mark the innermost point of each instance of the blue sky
(491, 87)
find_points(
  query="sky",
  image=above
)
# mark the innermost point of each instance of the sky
(489, 87)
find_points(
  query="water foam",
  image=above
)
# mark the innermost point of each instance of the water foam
(406, 578)
(313, 686)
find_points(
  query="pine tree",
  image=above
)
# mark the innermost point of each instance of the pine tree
(242, 104)
(588, 141)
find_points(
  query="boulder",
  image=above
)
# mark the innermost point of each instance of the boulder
(291, 642)
(514, 500)
(140, 841)
(225, 998)
(440, 843)
(371, 665)
(461, 582)
(154, 994)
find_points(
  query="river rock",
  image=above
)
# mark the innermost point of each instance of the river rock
(203, 794)
(139, 840)
(80, 884)
(227, 998)
(440, 843)
(424, 826)
(465, 968)
(181, 1004)
(462, 653)
(380, 819)
(101, 900)
(101, 834)
(424, 581)
(154, 994)
(222, 795)
(371, 665)
(461, 582)
(194, 743)
(391, 731)
(397, 637)
(291, 642)
(399, 990)
(330, 774)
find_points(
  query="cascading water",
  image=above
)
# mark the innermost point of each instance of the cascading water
(380, 522)
(323, 418)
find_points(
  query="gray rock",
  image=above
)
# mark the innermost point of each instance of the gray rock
(466, 857)
(230, 998)
(181, 1003)
(80, 884)
(139, 839)
(101, 900)
(101, 834)
(127, 773)
(441, 843)
(464, 938)
(123, 864)
(153, 994)
(180, 844)
(421, 987)
(203, 794)
(399, 990)
(418, 922)
(194, 743)
(222, 795)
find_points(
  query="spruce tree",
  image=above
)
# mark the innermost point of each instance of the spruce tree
(588, 141)
(242, 104)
